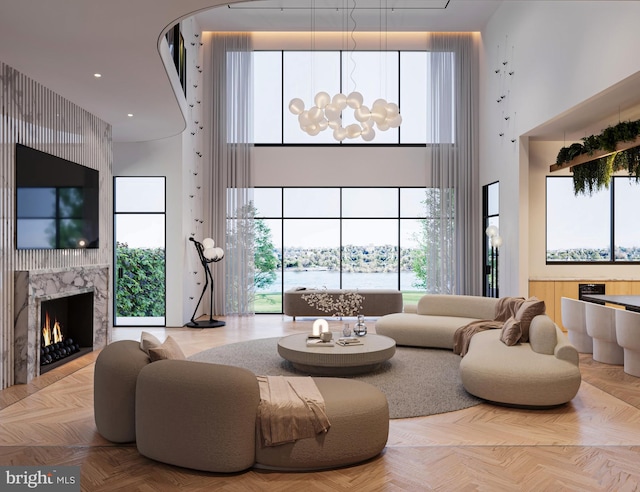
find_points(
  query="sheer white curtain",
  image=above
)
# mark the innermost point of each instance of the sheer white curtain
(455, 265)
(229, 90)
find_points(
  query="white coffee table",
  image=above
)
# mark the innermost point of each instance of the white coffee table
(337, 360)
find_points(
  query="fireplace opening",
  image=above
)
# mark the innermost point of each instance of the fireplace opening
(66, 330)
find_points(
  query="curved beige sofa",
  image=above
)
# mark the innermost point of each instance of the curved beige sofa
(542, 372)
(203, 416)
(433, 321)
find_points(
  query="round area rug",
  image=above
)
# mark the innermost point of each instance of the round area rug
(416, 381)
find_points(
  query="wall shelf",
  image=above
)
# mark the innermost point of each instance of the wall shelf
(584, 158)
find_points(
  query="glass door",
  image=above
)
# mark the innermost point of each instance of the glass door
(139, 249)
(490, 217)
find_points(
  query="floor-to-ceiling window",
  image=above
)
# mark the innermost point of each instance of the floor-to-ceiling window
(139, 246)
(340, 237)
(343, 237)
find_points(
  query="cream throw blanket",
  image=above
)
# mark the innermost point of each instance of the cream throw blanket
(290, 408)
(505, 308)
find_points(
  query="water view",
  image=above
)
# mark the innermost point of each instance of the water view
(331, 280)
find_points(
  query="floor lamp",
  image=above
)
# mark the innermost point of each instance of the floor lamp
(495, 241)
(208, 253)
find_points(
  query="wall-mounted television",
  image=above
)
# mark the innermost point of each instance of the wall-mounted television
(57, 202)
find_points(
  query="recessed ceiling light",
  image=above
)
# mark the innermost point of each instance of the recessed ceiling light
(130, 115)
(97, 75)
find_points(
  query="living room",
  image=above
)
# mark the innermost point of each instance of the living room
(566, 85)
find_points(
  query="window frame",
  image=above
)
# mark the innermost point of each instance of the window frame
(487, 217)
(356, 143)
(116, 271)
(611, 235)
(398, 218)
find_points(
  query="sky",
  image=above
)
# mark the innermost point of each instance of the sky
(584, 221)
(139, 207)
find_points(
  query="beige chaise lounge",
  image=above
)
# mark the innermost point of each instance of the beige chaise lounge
(540, 372)
(203, 416)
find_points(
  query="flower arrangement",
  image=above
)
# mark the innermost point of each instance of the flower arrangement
(345, 304)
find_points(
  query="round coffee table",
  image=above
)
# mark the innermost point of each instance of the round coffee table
(337, 360)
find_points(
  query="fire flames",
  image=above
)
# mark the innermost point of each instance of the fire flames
(51, 334)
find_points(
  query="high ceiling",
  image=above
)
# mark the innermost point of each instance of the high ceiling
(340, 15)
(63, 43)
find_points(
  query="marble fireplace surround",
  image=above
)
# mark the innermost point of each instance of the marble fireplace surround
(33, 287)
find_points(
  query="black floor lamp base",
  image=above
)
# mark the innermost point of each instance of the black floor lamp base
(207, 323)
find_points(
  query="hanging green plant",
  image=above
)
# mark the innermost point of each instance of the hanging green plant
(630, 160)
(594, 175)
(568, 153)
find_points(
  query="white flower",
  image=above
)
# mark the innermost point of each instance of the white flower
(345, 304)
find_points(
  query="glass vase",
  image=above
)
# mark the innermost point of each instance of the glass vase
(346, 331)
(360, 329)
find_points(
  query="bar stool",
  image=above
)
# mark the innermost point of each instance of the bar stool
(573, 320)
(628, 335)
(601, 326)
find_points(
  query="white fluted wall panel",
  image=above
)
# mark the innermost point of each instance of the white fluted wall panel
(35, 116)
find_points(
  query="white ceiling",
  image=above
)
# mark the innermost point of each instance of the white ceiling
(341, 15)
(62, 43)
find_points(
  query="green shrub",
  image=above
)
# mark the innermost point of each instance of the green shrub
(140, 281)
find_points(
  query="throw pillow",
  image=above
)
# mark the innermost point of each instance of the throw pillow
(530, 308)
(511, 332)
(168, 350)
(147, 341)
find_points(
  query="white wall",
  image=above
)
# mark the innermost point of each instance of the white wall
(562, 53)
(362, 166)
(161, 158)
(177, 159)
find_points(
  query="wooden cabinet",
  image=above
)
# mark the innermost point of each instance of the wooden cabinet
(551, 291)
(545, 291)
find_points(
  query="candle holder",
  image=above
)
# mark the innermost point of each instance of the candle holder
(320, 326)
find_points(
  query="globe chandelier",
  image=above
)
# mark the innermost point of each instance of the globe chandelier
(327, 111)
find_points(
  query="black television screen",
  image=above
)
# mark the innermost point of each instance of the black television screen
(56, 202)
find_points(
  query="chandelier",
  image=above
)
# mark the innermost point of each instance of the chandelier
(327, 112)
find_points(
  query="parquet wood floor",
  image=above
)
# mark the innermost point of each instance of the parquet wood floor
(592, 443)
